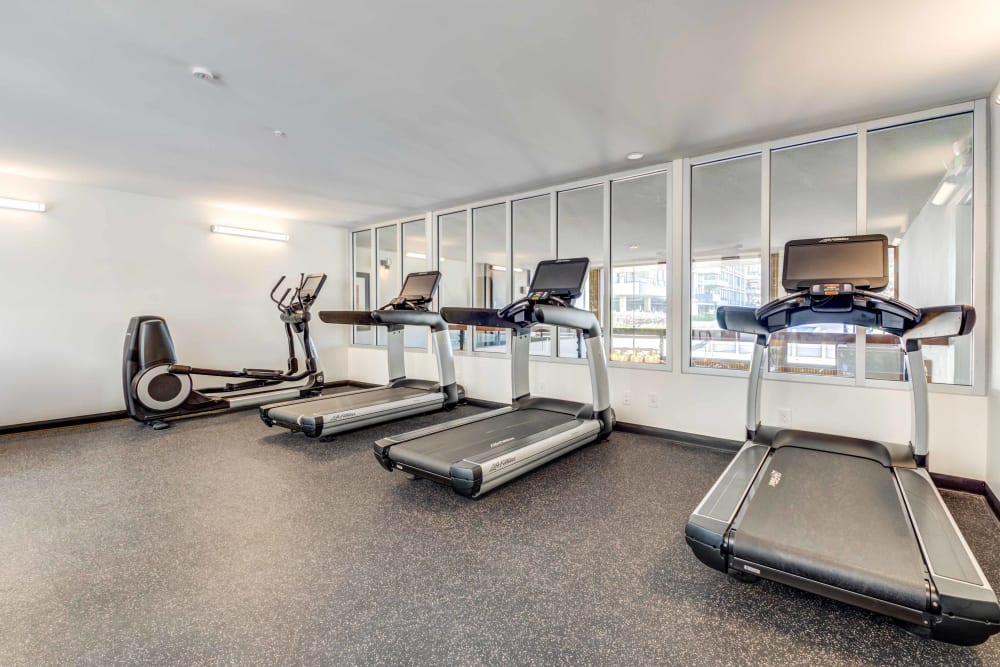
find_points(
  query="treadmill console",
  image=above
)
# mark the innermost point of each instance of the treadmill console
(556, 282)
(860, 262)
(417, 291)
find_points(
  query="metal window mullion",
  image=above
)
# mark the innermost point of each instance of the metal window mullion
(980, 242)
(765, 238)
(554, 244)
(675, 253)
(470, 276)
(860, 335)
(509, 247)
(687, 180)
(605, 319)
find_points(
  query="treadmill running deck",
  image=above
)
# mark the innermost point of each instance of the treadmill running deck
(839, 520)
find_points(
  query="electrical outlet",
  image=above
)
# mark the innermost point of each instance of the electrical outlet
(653, 400)
(627, 398)
(785, 416)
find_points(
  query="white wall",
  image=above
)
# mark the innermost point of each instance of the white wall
(74, 275)
(715, 406)
(993, 441)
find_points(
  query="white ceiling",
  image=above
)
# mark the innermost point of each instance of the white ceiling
(396, 106)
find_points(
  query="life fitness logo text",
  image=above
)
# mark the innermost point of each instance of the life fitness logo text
(500, 464)
(343, 415)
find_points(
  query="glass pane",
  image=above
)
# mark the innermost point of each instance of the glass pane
(580, 233)
(725, 256)
(531, 238)
(640, 270)
(414, 260)
(489, 259)
(453, 290)
(920, 191)
(814, 193)
(387, 272)
(361, 298)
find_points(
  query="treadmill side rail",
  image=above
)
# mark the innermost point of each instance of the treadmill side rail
(962, 586)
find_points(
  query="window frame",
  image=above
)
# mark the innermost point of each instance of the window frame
(980, 268)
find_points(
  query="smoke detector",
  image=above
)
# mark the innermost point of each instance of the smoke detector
(203, 73)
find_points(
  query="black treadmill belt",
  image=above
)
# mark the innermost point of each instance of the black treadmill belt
(834, 519)
(485, 438)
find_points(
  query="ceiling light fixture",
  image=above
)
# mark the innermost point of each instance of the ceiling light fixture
(250, 233)
(633, 246)
(944, 192)
(416, 255)
(495, 267)
(22, 205)
(636, 155)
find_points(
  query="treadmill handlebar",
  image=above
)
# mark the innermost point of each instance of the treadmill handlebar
(573, 318)
(419, 318)
(480, 317)
(742, 319)
(356, 317)
(859, 308)
(943, 322)
(385, 318)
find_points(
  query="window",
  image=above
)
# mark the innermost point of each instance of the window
(531, 241)
(640, 272)
(361, 294)
(814, 193)
(489, 262)
(453, 290)
(725, 256)
(387, 271)
(414, 260)
(920, 194)
(580, 233)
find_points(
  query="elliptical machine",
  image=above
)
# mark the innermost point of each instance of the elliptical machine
(157, 387)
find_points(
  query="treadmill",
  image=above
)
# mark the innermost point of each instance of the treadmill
(850, 519)
(478, 453)
(402, 396)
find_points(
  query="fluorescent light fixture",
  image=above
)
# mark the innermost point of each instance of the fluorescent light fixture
(22, 205)
(416, 255)
(944, 192)
(635, 155)
(633, 246)
(498, 268)
(251, 233)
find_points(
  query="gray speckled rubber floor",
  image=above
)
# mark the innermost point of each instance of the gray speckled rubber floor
(219, 541)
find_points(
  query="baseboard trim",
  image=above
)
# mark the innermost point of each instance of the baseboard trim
(993, 501)
(954, 483)
(684, 437)
(65, 421)
(80, 420)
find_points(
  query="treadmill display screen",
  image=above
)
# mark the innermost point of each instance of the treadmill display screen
(560, 276)
(859, 260)
(420, 286)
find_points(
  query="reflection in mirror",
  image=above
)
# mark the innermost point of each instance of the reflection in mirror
(725, 256)
(386, 271)
(580, 233)
(362, 288)
(920, 194)
(453, 290)
(640, 271)
(531, 238)
(814, 193)
(489, 260)
(415, 260)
